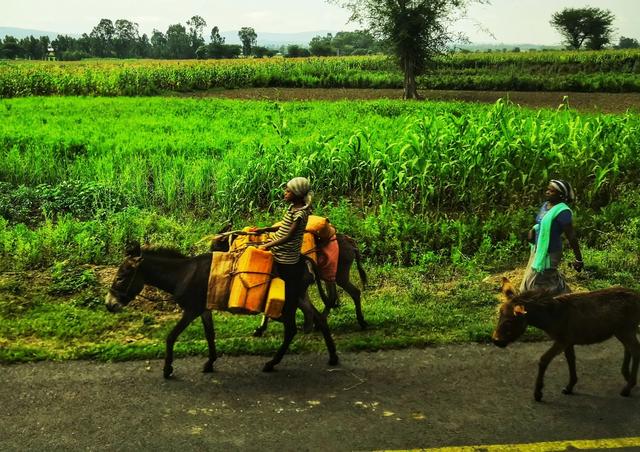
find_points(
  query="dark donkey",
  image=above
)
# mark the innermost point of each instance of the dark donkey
(573, 319)
(186, 278)
(348, 253)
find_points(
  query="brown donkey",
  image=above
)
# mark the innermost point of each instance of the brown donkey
(348, 254)
(573, 319)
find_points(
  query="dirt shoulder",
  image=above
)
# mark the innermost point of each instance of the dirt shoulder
(414, 398)
(594, 102)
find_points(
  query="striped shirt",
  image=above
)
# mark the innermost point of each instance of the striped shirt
(289, 252)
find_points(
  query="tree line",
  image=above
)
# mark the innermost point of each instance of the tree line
(122, 39)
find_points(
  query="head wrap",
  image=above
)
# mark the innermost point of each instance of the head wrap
(300, 187)
(564, 188)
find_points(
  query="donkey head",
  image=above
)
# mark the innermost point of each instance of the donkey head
(512, 322)
(128, 282)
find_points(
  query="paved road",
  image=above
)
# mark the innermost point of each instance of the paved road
(417, 398)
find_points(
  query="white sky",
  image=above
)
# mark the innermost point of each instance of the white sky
(510, 21)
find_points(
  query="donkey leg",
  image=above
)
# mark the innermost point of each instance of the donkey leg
(632, 347)
(307, 309)
(332, 293)
(626, 368)
(545, 359)
(262, 328)
(354, 293)
(185, 320)
(570, 355)
(210, 334)
(328, 340)
(289, 321)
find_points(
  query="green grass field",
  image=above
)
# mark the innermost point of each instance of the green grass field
(436, 194)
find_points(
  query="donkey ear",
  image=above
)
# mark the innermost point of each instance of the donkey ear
(519, 310)
(507, 289)
(133, 249)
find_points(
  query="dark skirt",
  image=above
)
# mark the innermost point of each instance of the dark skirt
(295, 282)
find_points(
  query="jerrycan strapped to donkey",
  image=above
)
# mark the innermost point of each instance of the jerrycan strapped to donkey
(245, 284)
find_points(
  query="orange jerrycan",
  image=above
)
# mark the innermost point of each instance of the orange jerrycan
(251, 281)
(320, 226)
(243, 241)
(275, 298)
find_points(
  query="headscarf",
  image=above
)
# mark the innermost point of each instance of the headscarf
(565, 189)
(300, 187)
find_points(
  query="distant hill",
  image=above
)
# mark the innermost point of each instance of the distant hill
(25, 32)
(277, 39)
(508, 46)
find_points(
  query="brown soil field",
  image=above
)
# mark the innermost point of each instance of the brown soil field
(589, 102)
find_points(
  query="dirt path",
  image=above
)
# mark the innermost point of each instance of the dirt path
(434, 397)
(596, 102)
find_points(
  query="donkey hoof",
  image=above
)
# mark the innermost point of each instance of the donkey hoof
(626, 392)
(364, 325)
(167, 372)
(208, 368)
(538, 396)
(567, 391)
(333, 360)
(258, 333)
(269, 367)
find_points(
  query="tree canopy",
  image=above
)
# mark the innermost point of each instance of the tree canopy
(591, 27)
(415, 31)
(248, 37)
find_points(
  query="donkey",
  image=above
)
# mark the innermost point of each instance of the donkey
(348, 254)
(186, 278)
(573, 319)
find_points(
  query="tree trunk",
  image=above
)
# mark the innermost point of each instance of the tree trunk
(410, 85)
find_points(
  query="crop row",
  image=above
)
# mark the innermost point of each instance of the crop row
(613, 71)
(81, 176)
(199, 155)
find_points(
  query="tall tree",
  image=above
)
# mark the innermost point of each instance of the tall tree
(63, 44)
(143, 46)
(196, 27)
(216, 39)
(178, 42)
(355, 42)
(321, 45)
(158, 44)
(578, 26)
(249, 38)
(415, 30)
(102, 37)
(126, 37)
(628, 43)
(11, 48)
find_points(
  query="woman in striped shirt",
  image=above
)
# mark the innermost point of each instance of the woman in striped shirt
(286, 243)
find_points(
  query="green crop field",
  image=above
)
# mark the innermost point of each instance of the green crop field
(437, 196)
(603, 71)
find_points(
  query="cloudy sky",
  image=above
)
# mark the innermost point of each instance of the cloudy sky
(510, 21)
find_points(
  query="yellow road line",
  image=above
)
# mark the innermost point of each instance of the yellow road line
(581, 444)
